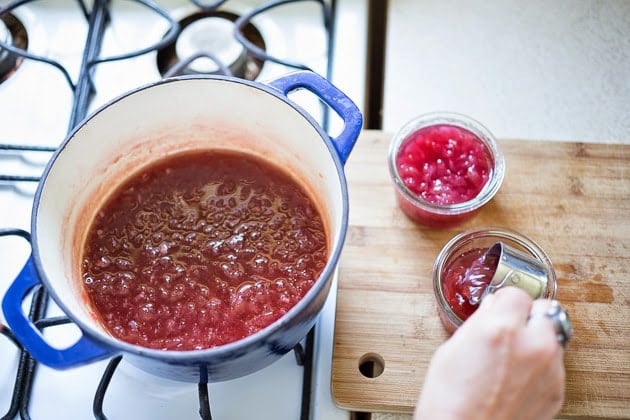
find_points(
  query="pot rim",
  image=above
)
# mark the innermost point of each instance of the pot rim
(242, 345)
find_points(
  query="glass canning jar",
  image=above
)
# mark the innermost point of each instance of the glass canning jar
(445, 167)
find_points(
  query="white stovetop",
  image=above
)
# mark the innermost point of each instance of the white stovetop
(174, 401)
(554, 70)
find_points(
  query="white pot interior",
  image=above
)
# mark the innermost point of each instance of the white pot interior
(150, 124)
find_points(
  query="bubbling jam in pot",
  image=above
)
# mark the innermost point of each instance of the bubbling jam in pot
(202, 249)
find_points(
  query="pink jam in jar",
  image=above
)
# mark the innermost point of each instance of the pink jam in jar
(445, 168)
(444, 164)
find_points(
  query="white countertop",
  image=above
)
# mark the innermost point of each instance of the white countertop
(556, 70)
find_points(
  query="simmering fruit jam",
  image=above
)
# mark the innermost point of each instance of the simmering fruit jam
(465, 279)
(444, 164)
(202, 249)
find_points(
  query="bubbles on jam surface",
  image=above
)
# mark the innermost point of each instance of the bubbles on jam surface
(444, 164)
(202, 250)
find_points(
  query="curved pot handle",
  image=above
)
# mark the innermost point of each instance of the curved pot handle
(333, 97)
(85, 350)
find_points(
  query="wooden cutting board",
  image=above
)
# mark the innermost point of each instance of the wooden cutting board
(573, 199)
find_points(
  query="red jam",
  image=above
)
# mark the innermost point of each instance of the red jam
(201, 250)
(465, 279)
(442, 165)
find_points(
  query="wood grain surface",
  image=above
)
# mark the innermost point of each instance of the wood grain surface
(573, 199)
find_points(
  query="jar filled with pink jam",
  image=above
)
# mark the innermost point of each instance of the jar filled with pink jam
(464, 269)
(445, 167)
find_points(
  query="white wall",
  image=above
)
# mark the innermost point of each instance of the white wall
(556, 70)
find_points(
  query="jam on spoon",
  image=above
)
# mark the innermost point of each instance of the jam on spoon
(466, 278)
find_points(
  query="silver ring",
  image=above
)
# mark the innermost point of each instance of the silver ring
(561, 322)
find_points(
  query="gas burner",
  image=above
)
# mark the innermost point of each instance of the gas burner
(206, 45)
(12, 34)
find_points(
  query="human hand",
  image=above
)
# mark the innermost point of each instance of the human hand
(500, 364)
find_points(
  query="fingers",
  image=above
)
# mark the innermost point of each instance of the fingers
(499, 318)
(540, 328)
(509, 304)
(541, 306)
(518, 363)
(540, 340)
(543, 324)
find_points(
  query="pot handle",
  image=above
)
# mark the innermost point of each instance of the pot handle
(333, 97)
(85, 350)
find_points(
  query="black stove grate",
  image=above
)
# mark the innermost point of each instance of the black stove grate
(303, 356)
(99, 16)
(83, 89)
(27, 366)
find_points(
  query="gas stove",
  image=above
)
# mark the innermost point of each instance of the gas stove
(62, 60)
